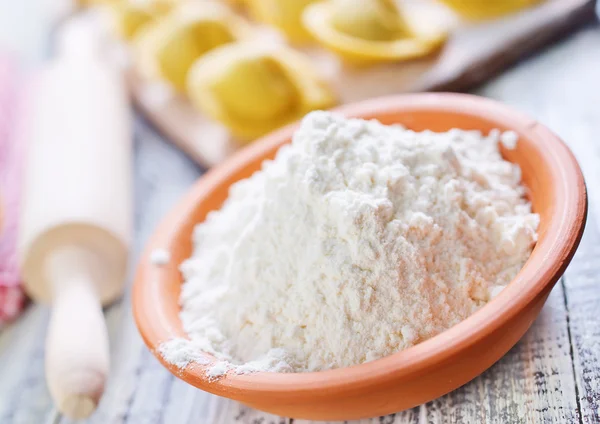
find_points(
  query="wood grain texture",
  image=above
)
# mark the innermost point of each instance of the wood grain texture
(550, 376)
(562, 89)
(583, 302)
(23, 395)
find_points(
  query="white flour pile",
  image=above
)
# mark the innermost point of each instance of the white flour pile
(357, 241)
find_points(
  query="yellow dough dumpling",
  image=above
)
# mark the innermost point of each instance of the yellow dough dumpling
(129, 16)
(285, 15)
(168, 48)
(254, 89)
(486, 9)
(370, 31)
(237, 3)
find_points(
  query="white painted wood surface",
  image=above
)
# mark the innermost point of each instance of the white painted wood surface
(552, 375)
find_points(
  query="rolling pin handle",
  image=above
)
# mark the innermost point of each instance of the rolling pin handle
(77, 354)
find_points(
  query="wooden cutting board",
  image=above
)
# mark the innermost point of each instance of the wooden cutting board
(473, 54)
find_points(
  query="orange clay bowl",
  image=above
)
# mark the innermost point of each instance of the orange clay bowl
(431, 368)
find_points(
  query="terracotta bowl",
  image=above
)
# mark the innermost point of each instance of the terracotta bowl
(432, 368)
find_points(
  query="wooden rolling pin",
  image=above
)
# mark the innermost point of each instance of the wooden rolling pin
(75, 226)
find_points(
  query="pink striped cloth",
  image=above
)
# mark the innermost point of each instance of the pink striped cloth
(12, 298)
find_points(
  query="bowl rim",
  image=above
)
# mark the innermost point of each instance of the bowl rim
(550, 259)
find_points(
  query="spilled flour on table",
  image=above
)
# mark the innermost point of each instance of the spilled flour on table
(357, 241)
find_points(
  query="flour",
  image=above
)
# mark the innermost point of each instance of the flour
(181, 353)
(160, 257)
(509, 139)
(359, 240)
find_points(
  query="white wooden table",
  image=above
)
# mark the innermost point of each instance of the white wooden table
(552, 375)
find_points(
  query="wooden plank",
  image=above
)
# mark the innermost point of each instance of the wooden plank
(473, 54)
(583, 302)
(187, 405)
(481, 68)
(579, 125)
(23, 394)
(225, 411)
(561, 89)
